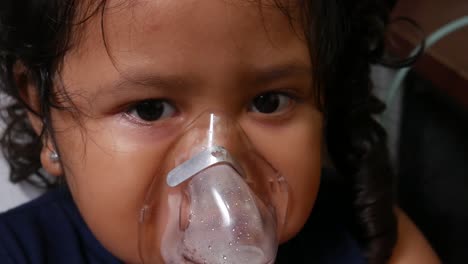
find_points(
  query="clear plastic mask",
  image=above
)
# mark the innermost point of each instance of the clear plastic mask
(216, 200)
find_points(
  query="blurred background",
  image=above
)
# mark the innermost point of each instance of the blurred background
(427, 122)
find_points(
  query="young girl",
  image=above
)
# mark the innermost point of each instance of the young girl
(193, 132)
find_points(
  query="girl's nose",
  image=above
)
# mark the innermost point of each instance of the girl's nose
(210, 130)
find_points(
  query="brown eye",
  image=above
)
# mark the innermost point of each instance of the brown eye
(269, 103)
(151, 110)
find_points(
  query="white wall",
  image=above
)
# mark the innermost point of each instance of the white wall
(382, 78)
(12, 195)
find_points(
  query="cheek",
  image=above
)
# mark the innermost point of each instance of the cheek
(302, 172)
(295, 151)
(109, 182)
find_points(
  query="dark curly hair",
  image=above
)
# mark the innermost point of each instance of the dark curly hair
(345, 38)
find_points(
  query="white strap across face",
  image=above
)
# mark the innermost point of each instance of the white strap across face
(205, 159)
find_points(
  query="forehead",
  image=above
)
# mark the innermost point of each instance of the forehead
(190, 35)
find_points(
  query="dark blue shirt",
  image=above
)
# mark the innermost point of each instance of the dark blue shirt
(50, 230)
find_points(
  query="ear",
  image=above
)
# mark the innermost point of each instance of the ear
(50, 160)
(28, 92)
(27, 89)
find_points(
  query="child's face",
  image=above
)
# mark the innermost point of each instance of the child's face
(197, 55)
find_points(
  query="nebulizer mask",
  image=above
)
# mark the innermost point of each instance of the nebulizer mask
(214, 200)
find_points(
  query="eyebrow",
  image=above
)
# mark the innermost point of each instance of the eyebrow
(169, 82)
(181, 83)
(270, 74)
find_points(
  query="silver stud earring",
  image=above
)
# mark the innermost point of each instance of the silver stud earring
(54, 156)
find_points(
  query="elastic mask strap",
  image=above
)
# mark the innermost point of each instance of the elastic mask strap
(207, 158)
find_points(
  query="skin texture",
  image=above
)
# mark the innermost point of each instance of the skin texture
(201, 56)
(411, 246)
(211, 55)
